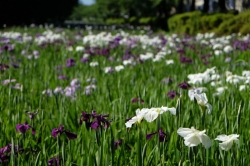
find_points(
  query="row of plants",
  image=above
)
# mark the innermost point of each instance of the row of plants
(220, 23)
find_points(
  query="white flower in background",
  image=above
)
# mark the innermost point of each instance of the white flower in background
(119, 68)
(75, 83)
(58, 90)
(193, 137)
(70, 91)
(153, 113)
(128, 62)
(234, 79)
(108, 69)
(138, 118)
(146, 56)
(219, 91)
(48, 92)
(203, 101)
(194, 91)
(227, 141)
(93, 64)
(70, 48)
(5, 82)
(217, 46)
(79, 48)
(228, 49)
(171, 61)
(246, 73)
(242, 87)
(215, 83)
(217, 52)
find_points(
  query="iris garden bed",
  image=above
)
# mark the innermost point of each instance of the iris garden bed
(79, 97)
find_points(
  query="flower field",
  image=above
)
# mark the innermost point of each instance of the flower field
(82, 97)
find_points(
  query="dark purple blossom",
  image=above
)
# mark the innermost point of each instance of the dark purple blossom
(62, 77)
(137, 100)
(184, 59)
(161, 134)
(118, 143)
(5, 152)
(70, 62)
(184, 85)
(31, 114)
(54, 161)
(24, 127)
(95, 121)
(58, 131)
(172, 94)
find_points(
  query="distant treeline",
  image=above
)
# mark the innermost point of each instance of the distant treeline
(23, 12)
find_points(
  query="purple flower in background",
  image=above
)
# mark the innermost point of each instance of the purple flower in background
(161, 134)
(184, 59)
(95, 121)
(137, 100)
(5, 152)
(100, 121)
(172, 94)
(184, 85)
(24, 127)
(118, 143)
(58, 131)
(31, 114)
(70, 62)
(3, 67)
(228, 59)
(54, 161)
(62, 77)
(85, 60)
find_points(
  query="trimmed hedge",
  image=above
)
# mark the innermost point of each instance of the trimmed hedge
(220, 23)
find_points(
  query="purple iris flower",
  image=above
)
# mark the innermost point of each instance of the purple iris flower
(24, 127)
(172, 94)
(95, 121)
(184, 85)
(31, 114)
(118, 143)
(161, 134)
(54, 161)
(139, 100)
(62, 77)
(61, 130)
(85, 60)
(184, 59)
(5, 152)
(70, 62)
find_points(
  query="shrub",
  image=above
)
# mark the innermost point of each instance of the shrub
(185, 23)
(116, 21)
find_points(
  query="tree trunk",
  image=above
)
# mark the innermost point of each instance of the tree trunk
(192, 5)
(222, 5)
(206, 6)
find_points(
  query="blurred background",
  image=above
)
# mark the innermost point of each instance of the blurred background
(155, 13)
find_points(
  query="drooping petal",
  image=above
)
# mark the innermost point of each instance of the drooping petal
(151, 116)
(226, 145)
(191, 140)
(222, 137)
(183, 132)
(131, 122)
(70, 135)
(149, 136)
(172, 110)
(54, 132)
(209, 107)
(205, 140)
